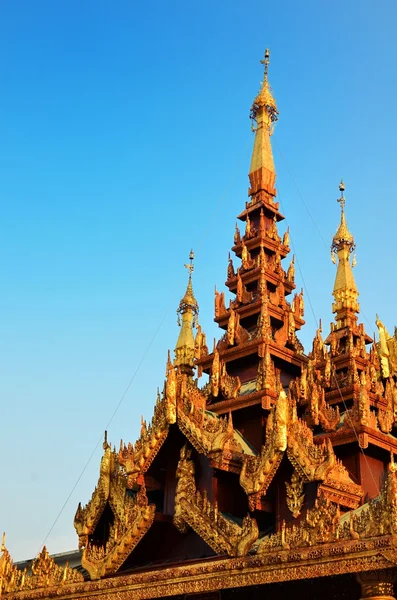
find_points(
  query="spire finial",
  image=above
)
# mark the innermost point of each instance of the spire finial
(343, 235)
(265, 102)
(189, 301)
(266, 61)
(264, 115)
(187, 318)
(190, 266)
(342, 199)
(345, 289)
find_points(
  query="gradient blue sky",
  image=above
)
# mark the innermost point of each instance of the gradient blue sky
(125, 141)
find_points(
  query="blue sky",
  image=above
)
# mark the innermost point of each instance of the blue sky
(125, 141)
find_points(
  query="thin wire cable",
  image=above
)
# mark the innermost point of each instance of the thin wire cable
(309, 211)
(223, 196)
(107, 426)
(203, 236)
(299, 267)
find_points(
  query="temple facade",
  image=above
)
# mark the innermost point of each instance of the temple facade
(266, 471)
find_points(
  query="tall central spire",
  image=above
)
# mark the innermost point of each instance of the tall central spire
(264, 114)
(345, 290)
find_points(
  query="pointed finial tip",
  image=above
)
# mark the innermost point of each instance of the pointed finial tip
(265, 62)
(341, 186)
(190, 266)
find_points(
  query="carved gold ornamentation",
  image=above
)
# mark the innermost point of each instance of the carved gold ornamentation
(208, 433)
(387, 350)
(11, 578)
(237, 236)
(379, 516)
(230, 269)
(215, 373)
(250, 230)
(132, 517)
(137, 458)
(44, 573)
(230, 385)
(312, 462)
(320, 526)
(257, 472)
(286, 238)
(298, 305)
(266, 376)
(247, 262)
(220, 308)
(311, 392)
(291, 271)
(242, 295)
(295, 496)
(200, 348)
(193, 509)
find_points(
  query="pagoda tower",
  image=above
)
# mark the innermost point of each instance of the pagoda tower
(341, 391)
(259, 353)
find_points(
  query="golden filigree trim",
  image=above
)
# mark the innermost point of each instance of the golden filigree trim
(193, 509)
(44, 573)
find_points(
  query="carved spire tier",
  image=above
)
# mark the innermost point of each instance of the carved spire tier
(340, 391)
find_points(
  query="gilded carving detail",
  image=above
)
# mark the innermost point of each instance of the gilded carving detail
(266, 375)
(220, 308)
(387, 350)
(246, 260)
(320, 526)
(379, 516)
(193, 509)
(295, 496)
(137, 458)
(242, 295)
(207, 432)
(312, 462)
(44, 573)
(132, 517)
(257, 472)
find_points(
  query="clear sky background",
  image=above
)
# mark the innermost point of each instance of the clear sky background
(124, 142)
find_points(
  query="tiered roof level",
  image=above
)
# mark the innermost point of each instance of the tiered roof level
(341, 392)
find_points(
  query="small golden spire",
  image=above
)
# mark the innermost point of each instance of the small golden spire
(188, 299)
(345, 290)
(264, 115)
(187, 319)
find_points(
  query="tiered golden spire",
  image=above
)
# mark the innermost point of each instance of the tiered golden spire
(187, 318)
(264, 114)
(345, 290)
